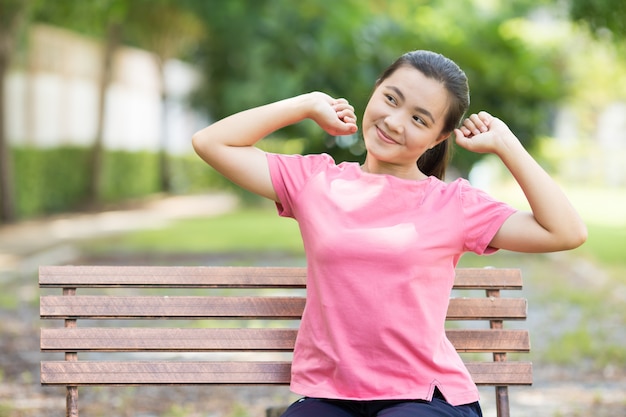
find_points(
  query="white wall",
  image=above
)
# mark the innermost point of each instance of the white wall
(52, 98)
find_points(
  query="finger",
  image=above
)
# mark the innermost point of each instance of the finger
(470, 125)
(343, 107)
(346, 113)
(341, 102)
(478, 123)
(465, 131)
(485, 117)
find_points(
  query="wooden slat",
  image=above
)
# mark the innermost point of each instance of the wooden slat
(172, 276)
(488, 278)
(233, 277)
(194, 373)
(501, 373)
(178, 340)
(195, 340)
(492, 340)
(107, 307)
(163, 307)
(487, 309)
(164, 373)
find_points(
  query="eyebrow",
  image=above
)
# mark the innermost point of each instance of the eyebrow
(417, 108)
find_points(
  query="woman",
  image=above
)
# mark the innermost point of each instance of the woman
(382, 239)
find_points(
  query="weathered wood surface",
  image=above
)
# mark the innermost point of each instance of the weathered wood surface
(200, 373)
(235, 339)
(186, 307)
(232, 277)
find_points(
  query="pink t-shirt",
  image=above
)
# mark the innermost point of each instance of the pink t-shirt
(381, 256)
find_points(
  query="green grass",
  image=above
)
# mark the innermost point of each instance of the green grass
(606, 244)
(604, 212)
(252, 229)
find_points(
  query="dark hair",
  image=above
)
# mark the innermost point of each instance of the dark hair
(447, 72)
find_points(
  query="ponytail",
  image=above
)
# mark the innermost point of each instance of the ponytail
(435, 160)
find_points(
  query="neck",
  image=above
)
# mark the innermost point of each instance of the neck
(410, 172)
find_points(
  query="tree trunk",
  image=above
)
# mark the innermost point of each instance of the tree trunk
(114, 33)
(14, 15)
(164, 163)
(7, 189)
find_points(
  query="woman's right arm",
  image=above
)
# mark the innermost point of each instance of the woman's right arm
(228, 144)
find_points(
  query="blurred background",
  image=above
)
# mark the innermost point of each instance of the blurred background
(99, 99)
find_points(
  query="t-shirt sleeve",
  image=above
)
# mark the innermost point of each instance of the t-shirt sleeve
(290, 173)
(483, 217)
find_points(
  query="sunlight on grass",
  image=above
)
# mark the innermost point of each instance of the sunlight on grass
(254, 229)
(604, 212)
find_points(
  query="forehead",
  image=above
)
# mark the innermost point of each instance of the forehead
(418, 90)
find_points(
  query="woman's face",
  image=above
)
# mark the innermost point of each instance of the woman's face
(404, 118)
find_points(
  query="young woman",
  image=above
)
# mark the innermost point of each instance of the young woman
(382, 239)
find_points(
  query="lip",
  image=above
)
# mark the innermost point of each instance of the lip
(384, 137)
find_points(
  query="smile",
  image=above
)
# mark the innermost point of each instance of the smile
(385, 138)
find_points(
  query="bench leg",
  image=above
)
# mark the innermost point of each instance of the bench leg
(71, 402)
(502, 401)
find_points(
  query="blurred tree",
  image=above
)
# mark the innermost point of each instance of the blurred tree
(269, 49)
(169, 31)
(514, 72)
(13, 17)
(160, 26)
(601, 14)
(104, 19)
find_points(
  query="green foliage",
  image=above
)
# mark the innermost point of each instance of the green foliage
(56, 180)
(49, 180)
(88, 17)
(130, 174)
(189, 174)
(256, 52)
(267, 50)
(601, 14)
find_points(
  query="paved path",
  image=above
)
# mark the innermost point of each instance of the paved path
(25, 245)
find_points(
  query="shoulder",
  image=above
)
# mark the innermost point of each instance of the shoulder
(294, 171)
(469, 199)
(466, 191)
(453, 189)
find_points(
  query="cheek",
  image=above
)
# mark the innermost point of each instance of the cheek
(420, 142)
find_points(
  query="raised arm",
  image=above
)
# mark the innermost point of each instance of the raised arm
(228, 145)
(553, 224)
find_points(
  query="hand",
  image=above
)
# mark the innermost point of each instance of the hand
(483, 133)
(335, 116)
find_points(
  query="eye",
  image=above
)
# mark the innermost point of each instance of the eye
(419, 120)
(391, 99)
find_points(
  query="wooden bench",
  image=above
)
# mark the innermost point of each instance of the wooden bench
(232, 297)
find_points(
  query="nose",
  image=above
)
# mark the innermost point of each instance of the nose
(394, 122)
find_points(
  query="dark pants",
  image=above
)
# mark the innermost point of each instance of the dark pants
(438, 407)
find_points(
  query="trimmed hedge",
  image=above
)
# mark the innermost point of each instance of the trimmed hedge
(49, 180)
(56, 180)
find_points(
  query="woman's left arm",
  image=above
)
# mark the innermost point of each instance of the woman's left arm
(553, 224)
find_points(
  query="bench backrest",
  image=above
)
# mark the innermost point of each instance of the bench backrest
(228, 300)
